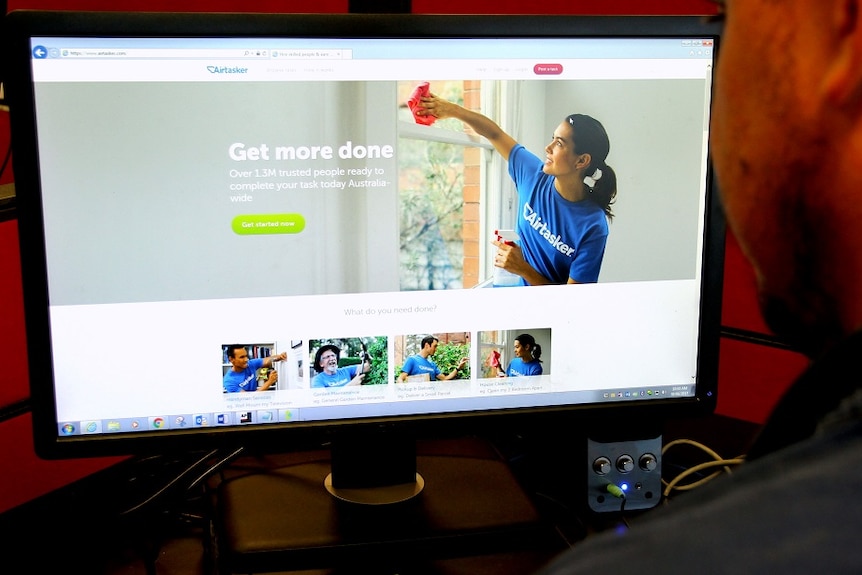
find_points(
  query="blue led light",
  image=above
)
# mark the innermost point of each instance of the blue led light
(624, 486)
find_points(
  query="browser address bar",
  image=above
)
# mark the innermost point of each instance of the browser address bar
(179, 53)
(160, 53)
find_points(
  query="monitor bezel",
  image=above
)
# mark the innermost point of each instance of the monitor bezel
(24, 24)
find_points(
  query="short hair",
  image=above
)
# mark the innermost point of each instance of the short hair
(231, 349)
(428, 340)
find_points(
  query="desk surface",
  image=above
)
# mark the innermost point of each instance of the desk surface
(82, 524)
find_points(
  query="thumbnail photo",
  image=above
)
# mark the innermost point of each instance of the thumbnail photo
(342, 362)
(515, 353)
(432, 357)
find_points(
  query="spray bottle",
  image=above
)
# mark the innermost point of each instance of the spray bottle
(503, 278)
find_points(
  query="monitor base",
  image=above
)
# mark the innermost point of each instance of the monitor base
(283, 518)
(385, 495)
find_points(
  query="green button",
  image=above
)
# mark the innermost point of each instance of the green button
(257, 224)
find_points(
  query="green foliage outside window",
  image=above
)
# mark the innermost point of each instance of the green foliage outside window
(431, 208)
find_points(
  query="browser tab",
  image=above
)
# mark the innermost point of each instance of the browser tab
(306, 54)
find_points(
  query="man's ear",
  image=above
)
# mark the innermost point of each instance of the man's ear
(843, 79)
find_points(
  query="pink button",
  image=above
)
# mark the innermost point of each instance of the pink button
(545, 69)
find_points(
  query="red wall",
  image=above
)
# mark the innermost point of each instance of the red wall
(696, 7)
(751, 376)
(289, 6)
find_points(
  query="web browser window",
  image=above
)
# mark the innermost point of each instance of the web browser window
(280, 194)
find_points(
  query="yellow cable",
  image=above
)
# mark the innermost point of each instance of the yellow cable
(718, 462)
(721, 462)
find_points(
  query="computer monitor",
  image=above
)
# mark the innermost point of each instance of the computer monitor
(236, 231)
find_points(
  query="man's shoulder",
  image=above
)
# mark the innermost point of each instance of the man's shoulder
(231, 375)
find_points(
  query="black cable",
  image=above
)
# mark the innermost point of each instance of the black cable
(619, 493)
(218, 465)
(15, 409)
(6, 203)
(161, 491)
(6, 159)
(4, 8)
(756, 338)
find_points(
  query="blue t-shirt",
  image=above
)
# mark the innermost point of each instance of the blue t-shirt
(560, 239)
(340, 378)
(245, 380)
(418, 365)
(520, 367)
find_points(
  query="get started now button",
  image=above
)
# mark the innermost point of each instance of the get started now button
(257, 224)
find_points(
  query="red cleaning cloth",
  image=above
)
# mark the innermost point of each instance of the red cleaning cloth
(413, 103)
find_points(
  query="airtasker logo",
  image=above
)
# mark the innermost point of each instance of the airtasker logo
(227, 70)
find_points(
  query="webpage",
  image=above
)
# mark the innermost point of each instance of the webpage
(279, 195)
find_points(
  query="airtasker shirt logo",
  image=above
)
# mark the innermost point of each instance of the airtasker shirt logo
(537, 223)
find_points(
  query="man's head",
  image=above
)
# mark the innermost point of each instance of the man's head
(237, 355)
(326, 358)
(787, 142)
(429, 345)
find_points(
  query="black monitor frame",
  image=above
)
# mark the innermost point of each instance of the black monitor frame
(33, 256)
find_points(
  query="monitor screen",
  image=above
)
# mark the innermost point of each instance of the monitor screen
(239, 226)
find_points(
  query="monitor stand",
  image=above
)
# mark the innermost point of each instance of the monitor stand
(376, 468)
(382, 495)
(455, 498)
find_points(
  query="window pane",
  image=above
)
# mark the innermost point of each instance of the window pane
(431, 202)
